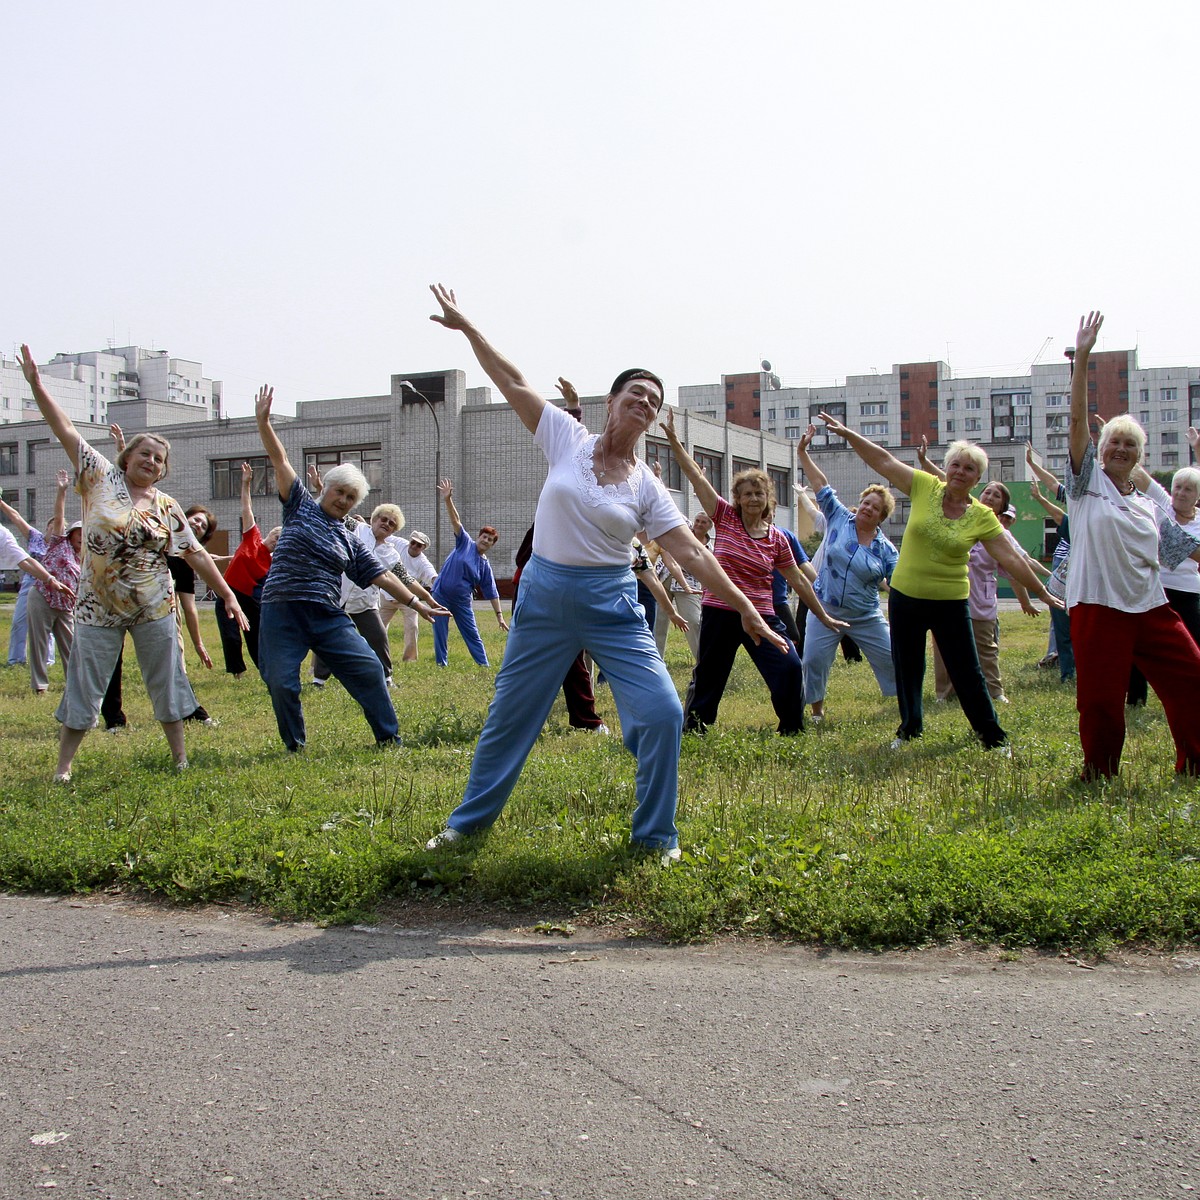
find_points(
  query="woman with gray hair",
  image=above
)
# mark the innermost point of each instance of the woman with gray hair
(301, 602)
(929, 586)
(1120, 617)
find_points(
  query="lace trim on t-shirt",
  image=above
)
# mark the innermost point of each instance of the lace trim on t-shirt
(594, 493)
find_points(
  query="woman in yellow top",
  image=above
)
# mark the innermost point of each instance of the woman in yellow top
(929, 587)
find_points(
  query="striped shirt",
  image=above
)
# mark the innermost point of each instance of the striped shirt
(747, 561)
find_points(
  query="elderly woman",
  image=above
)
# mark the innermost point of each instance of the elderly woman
(129, 529)
(362, 604)
(465, 569)
(930, 584)
(13, 556)
(301, 602)
(984, 602)
(577, 593)
(749, 547)
(857, 560)
(1119, 612)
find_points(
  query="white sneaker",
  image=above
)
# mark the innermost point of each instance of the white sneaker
(671, 856)
(1004, 750)
(447, 837)
(602, 729)
(317, 682)
(896, 744)
(211, 723)
(816, 718)
(63, 777)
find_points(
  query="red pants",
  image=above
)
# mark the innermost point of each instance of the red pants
(1107, 642)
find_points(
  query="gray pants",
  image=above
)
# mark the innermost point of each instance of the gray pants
(42, 623)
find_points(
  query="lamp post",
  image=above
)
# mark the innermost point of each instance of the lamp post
(437, 467)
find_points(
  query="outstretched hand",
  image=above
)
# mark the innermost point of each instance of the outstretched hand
(445, 488)
(451, 315)
(315, 483)
(1089, 330)
(834, 425)
(29, 368)
(759, 631)
(263, 402)
(62, 479)
(666, 418)
(567, 390)
(805, 440)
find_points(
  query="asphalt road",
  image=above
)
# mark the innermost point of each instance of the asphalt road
(152, 1052)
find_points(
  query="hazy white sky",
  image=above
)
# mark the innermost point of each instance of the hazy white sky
(690, 186)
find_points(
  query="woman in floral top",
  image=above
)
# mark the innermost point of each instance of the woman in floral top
(129, 527)
(51, 611)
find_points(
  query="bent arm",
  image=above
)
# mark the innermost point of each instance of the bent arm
(58, 522)
(514, 387)
(22, 525)
(191, 619)
(387, 582)
(799, 581)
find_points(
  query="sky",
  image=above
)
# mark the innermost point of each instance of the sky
(686, 185)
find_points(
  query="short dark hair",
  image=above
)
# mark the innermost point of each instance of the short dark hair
(638, 373)
(210, 520)
(488, 529)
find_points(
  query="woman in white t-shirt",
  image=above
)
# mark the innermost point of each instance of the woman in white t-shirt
(578, 593)
(1119, 612)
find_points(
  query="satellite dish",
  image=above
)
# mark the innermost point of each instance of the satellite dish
(766, 366)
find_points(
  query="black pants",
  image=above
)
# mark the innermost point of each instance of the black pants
(721, 634)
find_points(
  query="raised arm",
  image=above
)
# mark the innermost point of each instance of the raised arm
(812, 472)
(285, 473)
(248, 521)
(58, 522)
(514, 387)
(118, 435)
(23, 526)
(927, 464)
(898, 474)
(60, 424)
(1047, 477)
(705, 492)
(446, 491)
(1056, 514)
(1085, 339)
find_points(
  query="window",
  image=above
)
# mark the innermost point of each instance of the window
(31, 505)
(1055, 421)
(948, 426)
(872, 410)
(782, 479)
(744, 464)
(1170, 458)
(227, 477)
(1144, 395)
(770, 414)
(730, 405)
(1170, 437)
(1056, 441)
(1143, 419)
(8, 458)
(368, 459)
(713, 466)
(1055, 400)
(1022, 400)
(31, 450)
(791, 414)
(791, 431)
(1168, 395)
(1001, 469)
(972, 402)
(949, 403)
(658, 453)
(1168, 414)
(973, 425)
(873, 429)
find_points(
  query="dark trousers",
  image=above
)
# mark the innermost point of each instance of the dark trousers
(370, 624)
(1187, 605)
(795, 630)
(231, 635)
(721, 634)
(912, 620)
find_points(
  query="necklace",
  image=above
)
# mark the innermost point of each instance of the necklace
(604, 460)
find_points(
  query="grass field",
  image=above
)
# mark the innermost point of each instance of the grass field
(827, 838)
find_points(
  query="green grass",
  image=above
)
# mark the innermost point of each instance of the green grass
(825, 838)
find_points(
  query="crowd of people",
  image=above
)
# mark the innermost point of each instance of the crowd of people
(608, 566)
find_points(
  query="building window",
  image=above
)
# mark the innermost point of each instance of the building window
(1056, 441)
(782, 479)
(791, 431)
(972, 402)
(744, 464)
(874, 429)
(32, 447)
(791, 414)
(658, 453)
(368, 459)
(1022, 400)
(1170, 437)
(730, 405)
(31, 505)
(1144, 395)
(1055, 421)
(872, 410)
(948, 426)
(1168, 414)
(1170, 458)
(1001, 469)
(949, 403)
(227, 477)
(770, 414)
(8, 458)
(973, 425)
(1055, 400)
(713, 466)
(1168, 395)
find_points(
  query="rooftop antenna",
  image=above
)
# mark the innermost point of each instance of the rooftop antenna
(1041, 351)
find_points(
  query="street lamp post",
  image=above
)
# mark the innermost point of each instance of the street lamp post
(437, 466)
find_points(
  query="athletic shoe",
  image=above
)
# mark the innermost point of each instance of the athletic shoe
(447, 837)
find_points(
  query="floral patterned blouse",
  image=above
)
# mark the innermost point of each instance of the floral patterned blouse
(125, 580)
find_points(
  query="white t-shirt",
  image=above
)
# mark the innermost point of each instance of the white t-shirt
(420, 568)
(579, 523)
(1115, 543)
(354, 598)
(1186, 576)
(12, 554)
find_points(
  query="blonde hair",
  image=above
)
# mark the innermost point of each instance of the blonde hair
(755, 475)
(1124, 424)
(877, 489)
(389, 510)
(971, 452)
(135, 441)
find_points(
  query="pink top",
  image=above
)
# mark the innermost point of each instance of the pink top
(747, 561)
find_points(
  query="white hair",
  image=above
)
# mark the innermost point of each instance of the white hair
(347, 475)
